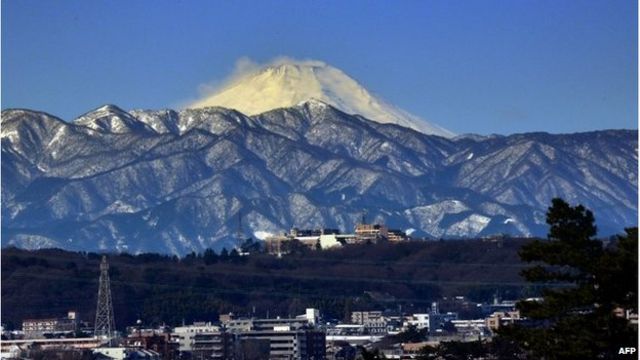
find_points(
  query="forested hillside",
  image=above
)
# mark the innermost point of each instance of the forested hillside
(159, 288)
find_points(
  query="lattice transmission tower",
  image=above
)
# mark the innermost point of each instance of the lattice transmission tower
(105, 325)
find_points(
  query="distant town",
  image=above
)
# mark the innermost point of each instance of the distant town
(394, 333)
(397, 335)
(306, 336)
(384, 328)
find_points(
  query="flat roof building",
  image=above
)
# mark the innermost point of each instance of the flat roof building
(36, 328)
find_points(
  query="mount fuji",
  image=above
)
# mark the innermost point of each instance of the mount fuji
(289, 82)
(294, 144)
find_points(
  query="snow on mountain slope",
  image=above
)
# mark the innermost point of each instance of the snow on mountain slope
(111, 119)
(176, 181)
(291, 82)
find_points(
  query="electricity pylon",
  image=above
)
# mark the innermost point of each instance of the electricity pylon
(105, 325)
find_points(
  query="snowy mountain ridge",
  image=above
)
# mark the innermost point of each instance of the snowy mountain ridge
(175, 181)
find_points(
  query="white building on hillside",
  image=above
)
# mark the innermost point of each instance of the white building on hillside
(185, 335)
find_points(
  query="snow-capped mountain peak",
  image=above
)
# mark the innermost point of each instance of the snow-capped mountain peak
(292, 82)
(110, 118)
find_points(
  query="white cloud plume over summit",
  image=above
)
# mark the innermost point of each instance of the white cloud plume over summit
(254, 88)
(245, 66)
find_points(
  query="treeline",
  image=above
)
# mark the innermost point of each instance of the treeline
(163, 288)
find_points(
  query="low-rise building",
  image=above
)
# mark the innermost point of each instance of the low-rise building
(501, 318)
(330, 238)
(420, 321)
(287, 342)
(371, 233)
(35, 328)
(279, 338)
(157, 340)
(372, 321)
(243, 325)
(505, 305)
(126, 353)
(430, 321)
(290, 338)
(361, 317)
(313, 239)
(213, 345)
(47, 344)
(346, 329)
(468, 330)
(184, 335)
(395, 235)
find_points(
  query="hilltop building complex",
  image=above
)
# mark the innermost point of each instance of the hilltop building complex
(329, 238)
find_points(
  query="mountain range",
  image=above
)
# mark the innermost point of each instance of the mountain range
(180, 181)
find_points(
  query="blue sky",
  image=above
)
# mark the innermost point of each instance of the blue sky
(476, 66)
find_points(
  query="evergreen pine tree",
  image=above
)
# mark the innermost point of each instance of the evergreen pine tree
(577, 317)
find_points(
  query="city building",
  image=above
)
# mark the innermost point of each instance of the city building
(279, 338)
(501, 318)
(420, 321)
(395, 235)
(184, 335)
(330, 238)
(126, 353)
(371, 233)
(157, 340)
(351, 334)
(505, 305)
(35, 328)
(213, 345)
(346, 329)
(430, 321)
(287, 342)
(375, 232)
(476, 326)
(311, 315)
(45, 344)
(291, 338)
(247, 348)
(313, 239)
(372, 321)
